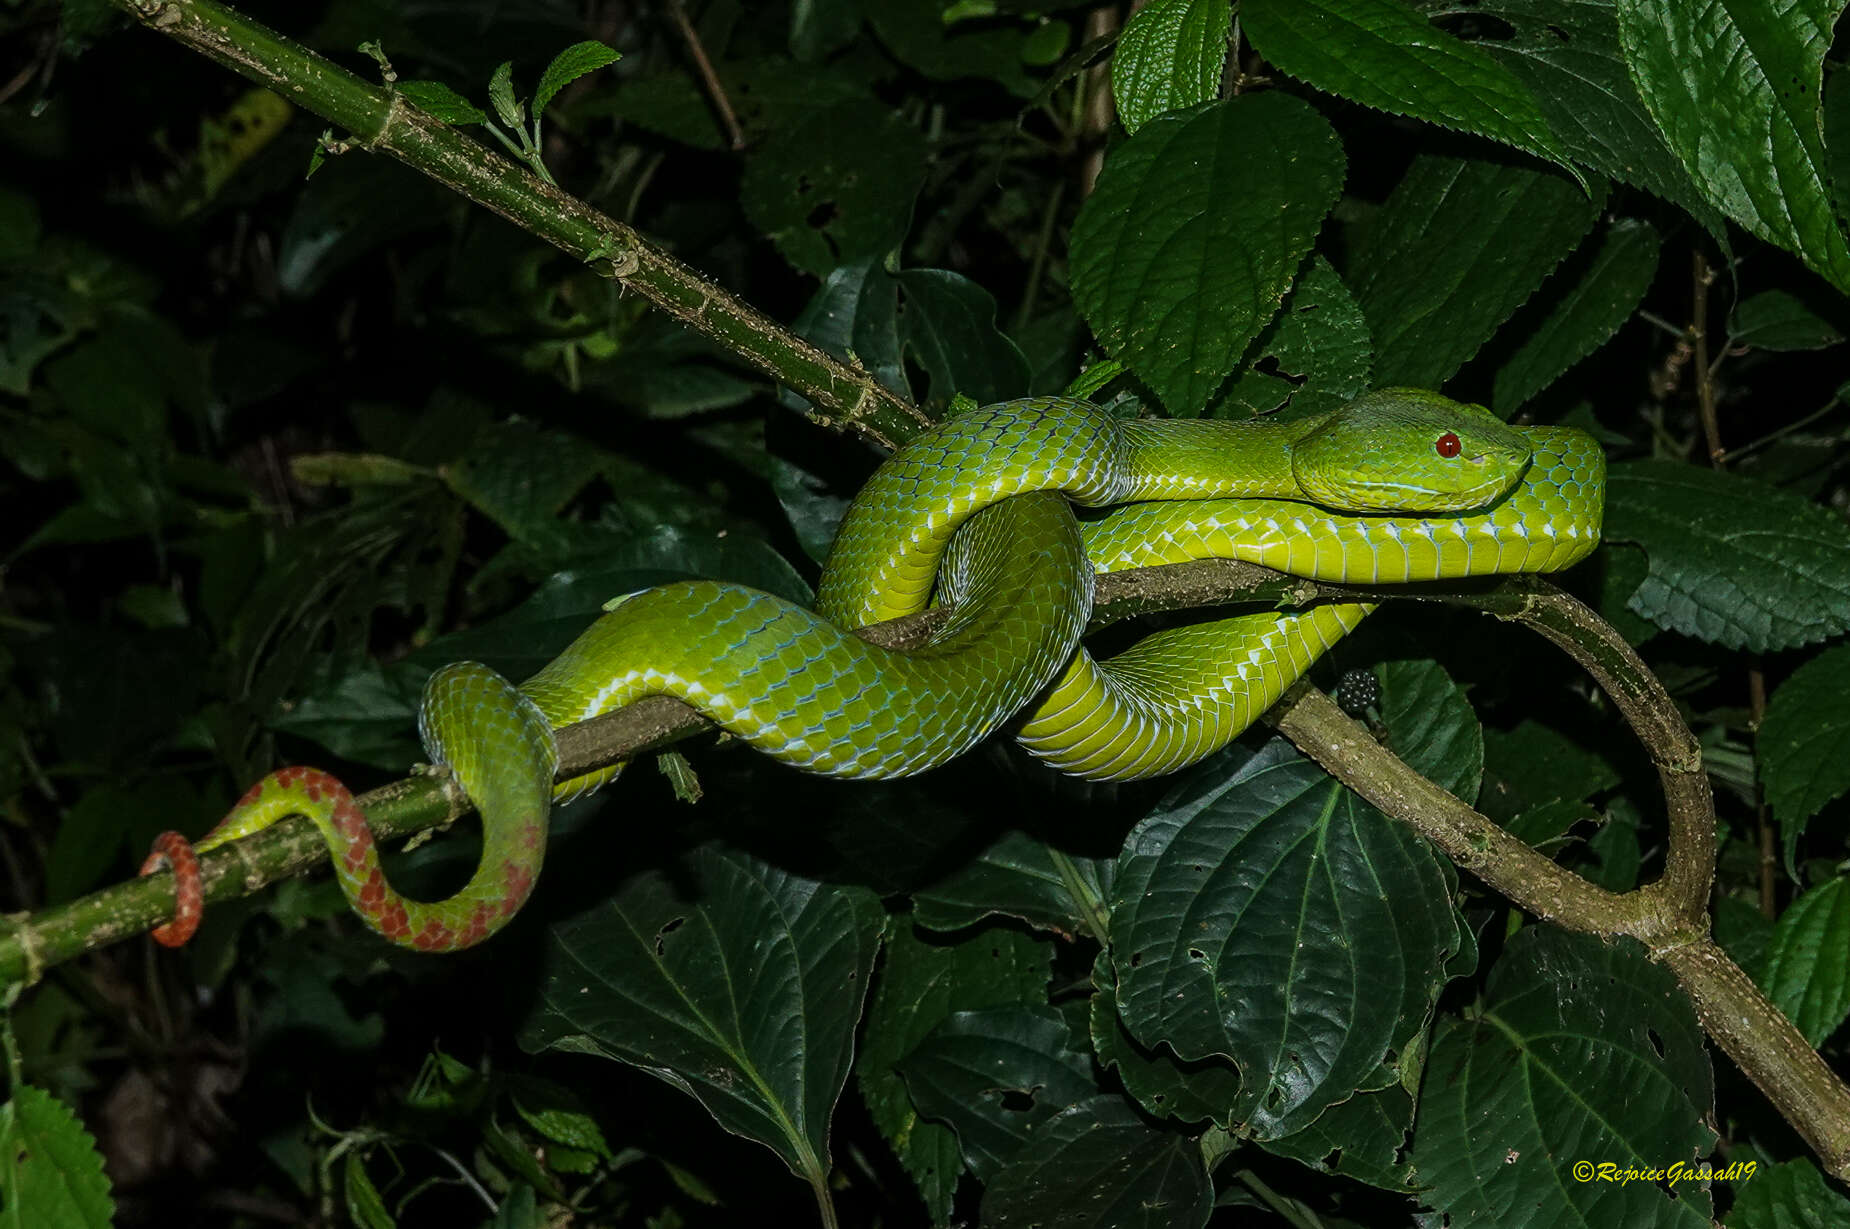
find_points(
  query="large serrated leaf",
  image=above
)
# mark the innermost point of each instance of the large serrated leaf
(1735, 91)
(1804, 970)
(1384, 55)
(51, 1175)
(1315, 354)
(1097, 1165)
(736, 982)
(1733, 561)
(1567, 52)
(1793, 1194)
(1194, 233)
(1582, 1051)
(923, 981)
(1804, 742)
(1268, 915)
(994, 1076)
(1602, 298)
(1430, 725)
(1169, 58)
(1459, 246)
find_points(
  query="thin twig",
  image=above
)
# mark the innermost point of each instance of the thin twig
(709, 78)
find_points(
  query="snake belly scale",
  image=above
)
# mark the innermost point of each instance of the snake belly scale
(1399, 485)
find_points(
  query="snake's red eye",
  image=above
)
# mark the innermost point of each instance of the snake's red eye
(1447, 445)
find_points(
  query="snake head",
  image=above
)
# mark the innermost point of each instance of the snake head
(1407, 450)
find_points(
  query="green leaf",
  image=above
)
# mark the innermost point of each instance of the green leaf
(1174, 267)
(1804, 743)
(1189, 1092)
(1735, 90)
(1535, 764)
(994, 1076)
(1456, 249)
(1567, 52)
(735, 982)
(1430, 725)
(51, 1175)
(442, 102)
(1733, 562)
(1169, 58)
(1577, 1040)
(521, 477)
(836, 186)
(1603, 297)
(916, 33)
(1364, 1138)
(1794, 1194)
(1777, 320)
(569, 65)
(1804, 969)
(924, 981)
(1019, 877)
(364, 1203)
(1268, 915)
(818, 27)
(1315, 354)
(1098, 1163)
(501, 96)
(1384, 55)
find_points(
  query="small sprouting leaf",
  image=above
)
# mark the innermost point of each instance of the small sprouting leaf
(50, 1171)
(1804, 969)
(1733, 561)
(442, 102)
(501, 94)
(569, 65)
(1169, 58)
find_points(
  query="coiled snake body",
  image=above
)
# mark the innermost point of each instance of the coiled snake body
(1400, 485)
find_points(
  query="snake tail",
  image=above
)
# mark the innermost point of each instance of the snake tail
(513, 793)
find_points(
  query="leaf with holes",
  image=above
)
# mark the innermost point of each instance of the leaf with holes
(51, 1175)
(1456, 249)
(1384, 55)
(924, 980)
(1169, 58)
(1197, 227)
(1580, 1051)
(993, 1076)
(1266, 914)
(1603, 296)
(1364, 1138)
(735, 982)
(1733, 561)
(1804, 969)
(1735, 91)
(1166, 1087)
(1314, 356)
(835, 186)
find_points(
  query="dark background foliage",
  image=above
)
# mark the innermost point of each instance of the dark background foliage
(268, 441)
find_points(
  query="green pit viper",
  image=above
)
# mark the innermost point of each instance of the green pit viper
(1399, 485)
